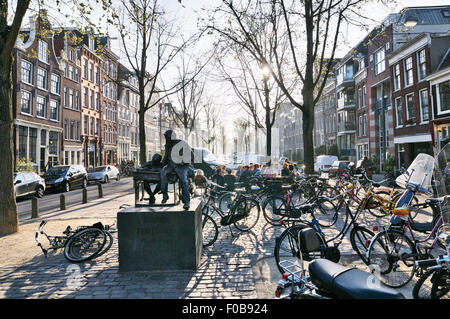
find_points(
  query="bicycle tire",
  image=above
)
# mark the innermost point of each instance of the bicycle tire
(78, 242)
(210, 230)
(422, 288)
(108, 244)
(359, 238)
(326, 211)
(272, 209)
(441, 285)
(286, 246)
(245, 215)
(225, 202)
(394, 267)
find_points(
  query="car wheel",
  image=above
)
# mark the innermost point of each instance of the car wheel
(39, 191)
(106, 179)
(67, 187)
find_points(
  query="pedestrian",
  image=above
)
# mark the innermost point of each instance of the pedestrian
(229, 179)
(218, 177)
(285, 170)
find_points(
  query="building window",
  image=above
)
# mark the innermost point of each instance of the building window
(423, 98)
(97, 101)
(53, 141)
(444, 96)
(380, 64)
(408, 72)
(23, 142)
(399, 111)
(43, 51)
(78, 131)
(71, 73)
(72, 130)
(27, 72)
(422, 65)
(54, 110)
(92, 126)
(97, 127)
(33, 144)
(410, 109)
(55, 84)
(97, 75)
(71, 98)
(25, 103)
(86, 125)
(92, 99)
(397, 77)
(91, 72)
(77, 100)
(85, 69)
(40, 106)
(86, 97)
(42, 79)
(66, 130)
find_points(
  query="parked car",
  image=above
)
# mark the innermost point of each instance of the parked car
(28, 183)
(103, 174)
(65, 177)
(324, 162)
(338, 167)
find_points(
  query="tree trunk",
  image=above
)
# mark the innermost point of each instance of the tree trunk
(8, 207)
(142, 138)
(308, 143)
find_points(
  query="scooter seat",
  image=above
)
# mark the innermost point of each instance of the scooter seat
(348, 283)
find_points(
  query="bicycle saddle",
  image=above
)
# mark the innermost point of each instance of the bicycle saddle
(348, 283)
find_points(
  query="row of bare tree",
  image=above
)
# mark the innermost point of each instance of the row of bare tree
(269, 51)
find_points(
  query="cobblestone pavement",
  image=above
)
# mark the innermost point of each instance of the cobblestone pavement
(239, 266)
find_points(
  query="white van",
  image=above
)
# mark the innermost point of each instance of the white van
(324, 162)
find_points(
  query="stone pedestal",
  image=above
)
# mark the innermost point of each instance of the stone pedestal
(160, 237)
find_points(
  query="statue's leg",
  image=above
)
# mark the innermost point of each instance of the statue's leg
(182, 173)
(165, 171)
(148, 189)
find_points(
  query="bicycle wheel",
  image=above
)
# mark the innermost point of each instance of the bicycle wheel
(392, 255)
(225, 202)
(210, 231)
(422, 288)
(374, 206)
(273, 210)
(359, 238)
(325, 212)
(441, 285)
(108, 244)
(85, 244)
(286, 247)
(246, 214)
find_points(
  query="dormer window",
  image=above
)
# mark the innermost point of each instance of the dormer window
(43, 51)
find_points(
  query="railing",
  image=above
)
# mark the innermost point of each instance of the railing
(346, 126)
(379, 105)
(341, 78)
(349, 102)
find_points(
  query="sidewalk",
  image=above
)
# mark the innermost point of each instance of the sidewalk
(234, 267)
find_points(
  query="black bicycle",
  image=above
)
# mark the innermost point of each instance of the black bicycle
(81, 244)
(243, 214)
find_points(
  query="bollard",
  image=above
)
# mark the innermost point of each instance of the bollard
(100, 190)
(85, 199)
(34, 208)
(62, 202)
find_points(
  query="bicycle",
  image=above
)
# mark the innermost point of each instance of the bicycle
(81, 244)
(286, 242)
(393, 252)
(243, 214)
(324, 278)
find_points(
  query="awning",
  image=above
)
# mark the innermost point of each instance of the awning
(412, 139)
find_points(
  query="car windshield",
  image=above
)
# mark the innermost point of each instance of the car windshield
(97, 169)
(57, 171)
